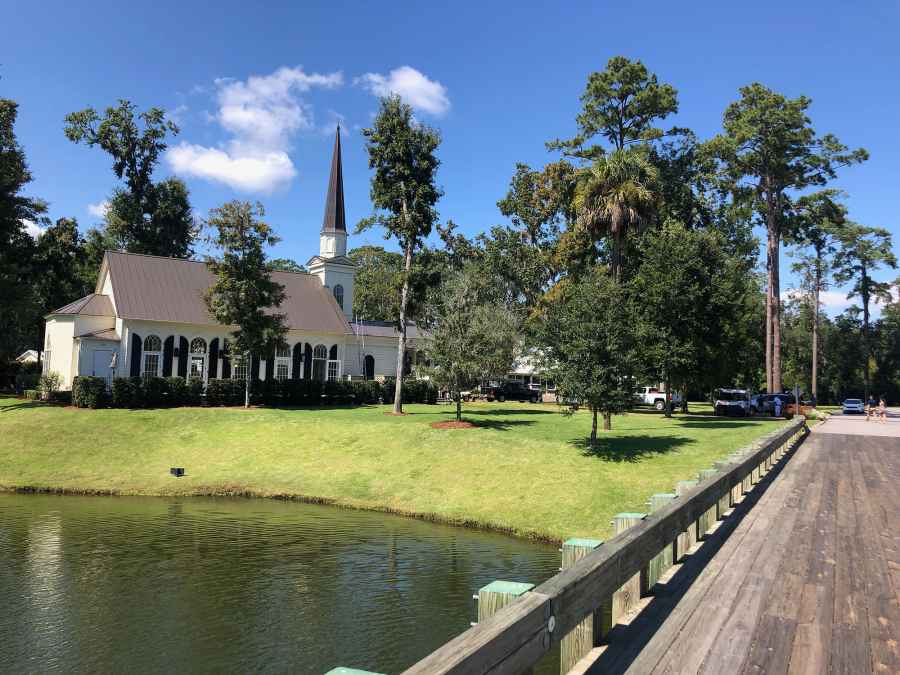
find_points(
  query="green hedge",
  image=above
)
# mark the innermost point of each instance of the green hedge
(89, 392)
(155, 392)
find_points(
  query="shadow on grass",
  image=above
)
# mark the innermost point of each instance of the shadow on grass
(713, 423)
(22, 405)
(498, 425)
(629, 448)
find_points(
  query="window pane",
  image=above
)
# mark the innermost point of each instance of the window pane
(196, 367)
(283, 352)
(151, 365)
(339, 295)
(281, 370)
(318, 369)
(152, 343)
(332, 371)
(198, 346)
(320, 352)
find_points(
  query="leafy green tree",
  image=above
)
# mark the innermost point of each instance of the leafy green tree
(769, 149)
(819, 218)
(18, 303)
(538, 201)
(862, 251)
(621, 104)
(589, 343)
(244, 294)
(284, 265)
(474, 334)
(617, 195)
(404, 194)
(379, 283)
(887, 379)
(683, 305)
(144, 217)
(58, 262)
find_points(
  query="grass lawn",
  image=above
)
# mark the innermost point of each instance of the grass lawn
(525, 468)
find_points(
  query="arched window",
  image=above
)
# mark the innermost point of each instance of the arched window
(282, 362)
(197, 362)
(339, 295)
(152, 356)
(320, 361)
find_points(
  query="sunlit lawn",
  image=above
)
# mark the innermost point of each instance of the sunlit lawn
(525, 468)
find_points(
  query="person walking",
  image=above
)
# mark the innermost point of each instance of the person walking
(870, 408)
(777, 404)
(882, 411)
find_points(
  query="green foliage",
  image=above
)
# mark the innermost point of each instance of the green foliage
(474, 334)
(224, 392)
(33, 394)
(49, 384)
(144, 217)
(589, 339)
(284, 265)
(244, 293)
(19, 306)
(379, 281)
(126, 392)
(404, 193)
(621, 104)
(89, 392)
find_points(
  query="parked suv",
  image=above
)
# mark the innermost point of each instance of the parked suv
(732, 402)
(511, 390)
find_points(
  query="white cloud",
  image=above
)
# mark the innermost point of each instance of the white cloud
(33, 229)
(261, 115)
(831, 300)
(99, 209)
(412, 86)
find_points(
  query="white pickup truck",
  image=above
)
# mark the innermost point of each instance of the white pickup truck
(655, 397)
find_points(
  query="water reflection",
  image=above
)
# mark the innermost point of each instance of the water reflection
(220, 585)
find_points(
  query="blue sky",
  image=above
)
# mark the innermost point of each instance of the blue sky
(257, 89)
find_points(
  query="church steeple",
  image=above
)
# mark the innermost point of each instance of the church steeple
(334, 202)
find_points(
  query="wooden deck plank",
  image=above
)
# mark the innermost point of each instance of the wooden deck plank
(805, 582)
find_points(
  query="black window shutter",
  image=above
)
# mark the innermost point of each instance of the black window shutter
(226, 368)
(214, 359)
(182, 356)
(136, 343)
(297, 364)
(254, 368)
(168, 353)
(270, 365)
(307, 362)
(332, 354)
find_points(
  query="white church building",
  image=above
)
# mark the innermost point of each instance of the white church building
(147, 317)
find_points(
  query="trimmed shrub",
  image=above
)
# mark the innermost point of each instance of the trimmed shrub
(367, 393)
(414, 391)
(126, 392)
(61, 397)
(88, 392)
(33, 394)
(195, 391)
(225, 392)
(177, 391)
(49, 384)
(152, 393)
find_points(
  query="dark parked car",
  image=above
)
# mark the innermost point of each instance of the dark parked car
(511, 390)
(764, 404)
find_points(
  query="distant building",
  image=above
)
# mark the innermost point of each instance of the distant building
(29, 356)
(147, 317)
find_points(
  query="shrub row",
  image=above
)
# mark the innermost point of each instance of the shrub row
(156, 392)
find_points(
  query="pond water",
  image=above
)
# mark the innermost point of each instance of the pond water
(120, 584)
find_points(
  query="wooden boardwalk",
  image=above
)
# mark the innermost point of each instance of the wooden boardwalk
(803, 576)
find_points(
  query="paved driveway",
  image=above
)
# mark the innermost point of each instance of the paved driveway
(856, 425)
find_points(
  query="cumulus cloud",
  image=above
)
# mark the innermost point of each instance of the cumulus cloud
(261, 115)
(99, 209)
(412, 86)
(33, 229)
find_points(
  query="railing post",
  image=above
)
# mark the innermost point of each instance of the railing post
(586, 635)
(497, 595)
(629, 594)
(707, 518)
(664, 560)
(688, 538)
(726, 501)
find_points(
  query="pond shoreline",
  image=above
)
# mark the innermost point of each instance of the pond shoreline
(468, 523)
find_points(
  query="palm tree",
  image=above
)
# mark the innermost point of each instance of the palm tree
(616, 195)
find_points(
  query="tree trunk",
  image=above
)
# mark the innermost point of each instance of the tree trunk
(864, 292)
(607, 421)
(458, 407)
(594, 428)
(247, 382)
(814, 384)
(401, 344)
(773, 297)
(668, 397)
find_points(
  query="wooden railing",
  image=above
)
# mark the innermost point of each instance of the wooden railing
(517, 636)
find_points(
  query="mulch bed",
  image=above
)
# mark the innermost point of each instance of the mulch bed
(452, 424)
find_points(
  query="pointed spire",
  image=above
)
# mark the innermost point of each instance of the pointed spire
(334, 203)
